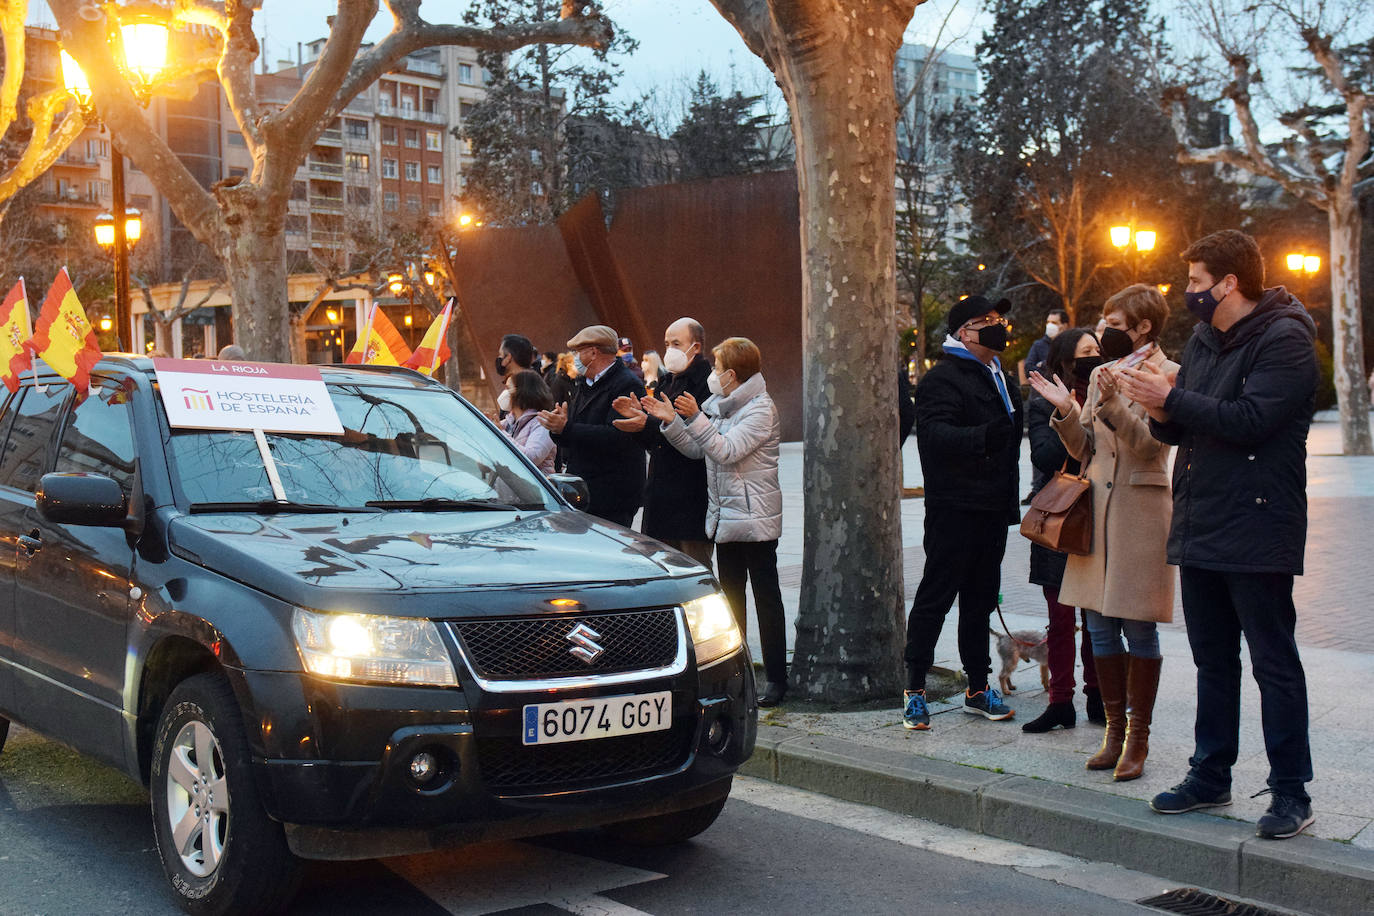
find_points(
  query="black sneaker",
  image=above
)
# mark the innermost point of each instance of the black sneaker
(1188, 796)
(988, 703)
(1286, 817)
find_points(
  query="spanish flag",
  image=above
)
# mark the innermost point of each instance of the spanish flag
(64, 338)
(433, 350)
(15, 331)
(380, 344)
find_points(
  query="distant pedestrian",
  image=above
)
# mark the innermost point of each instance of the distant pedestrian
(625, 352)
(654, 373)
(564, 379)
(515, 353)
(1055, 322)
(232, 352)
(968, 432)
(1126, 582)
(1073, 356)
(675, 494)
(1239, 412)
(737, 431)
(524, 396)
(610, 460)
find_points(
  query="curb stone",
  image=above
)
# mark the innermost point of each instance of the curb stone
(1304, 873)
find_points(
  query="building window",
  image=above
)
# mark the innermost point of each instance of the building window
(356, 129)
(389, 168)
(467, 147)
(361, 197)
(412, 138)
(237, 171)
(389, 134)
(413, 203)
(97, 191)
(412, 171)
(435, 206)
(433, 140)
(236, 139)
(142, 202)
(408, 104)
(97, 149)
(465, 110)
(435, 175)
(390, 201)
(465, 73)
(359, 162)
(296, 222)
(298, 190)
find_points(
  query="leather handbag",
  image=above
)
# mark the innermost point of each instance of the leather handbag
(1060, 516)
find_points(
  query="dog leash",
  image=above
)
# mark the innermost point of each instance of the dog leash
(1019, 642)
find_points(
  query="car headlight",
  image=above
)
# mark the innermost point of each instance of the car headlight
(371, 647)
(713, 627)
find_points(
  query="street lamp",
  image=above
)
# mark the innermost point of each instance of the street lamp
(143, 55)
(1122, 237)
(1306, 267)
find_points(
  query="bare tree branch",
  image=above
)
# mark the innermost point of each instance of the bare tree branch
(236, 69)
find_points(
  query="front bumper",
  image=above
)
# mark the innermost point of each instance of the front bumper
(334, 759)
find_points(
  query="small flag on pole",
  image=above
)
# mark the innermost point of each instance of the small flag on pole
(433, 350)
(380, 344)
(15, 331)
(64, 338)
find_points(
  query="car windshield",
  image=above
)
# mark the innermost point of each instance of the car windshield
(402, 448)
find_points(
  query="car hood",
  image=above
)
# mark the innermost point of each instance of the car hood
(326, 561)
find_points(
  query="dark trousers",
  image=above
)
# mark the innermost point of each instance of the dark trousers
(1060, 642)
(758, 561)
(1218, 608)
(963, 560)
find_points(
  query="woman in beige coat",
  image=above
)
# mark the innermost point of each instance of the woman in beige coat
(1125, 583)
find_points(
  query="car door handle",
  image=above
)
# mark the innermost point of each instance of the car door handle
(31, 542)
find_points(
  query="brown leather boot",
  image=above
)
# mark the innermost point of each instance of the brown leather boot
(1111, 680)
(1142, 686)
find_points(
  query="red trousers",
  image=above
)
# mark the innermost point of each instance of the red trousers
(1060, 644)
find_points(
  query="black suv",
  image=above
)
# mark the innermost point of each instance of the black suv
(338, 647)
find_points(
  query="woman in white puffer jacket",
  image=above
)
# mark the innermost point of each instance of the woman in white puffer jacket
(737, 431)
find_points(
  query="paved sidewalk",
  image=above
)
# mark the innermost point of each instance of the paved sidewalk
(1034, 788)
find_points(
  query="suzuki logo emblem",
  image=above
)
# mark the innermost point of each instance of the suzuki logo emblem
(584, 643)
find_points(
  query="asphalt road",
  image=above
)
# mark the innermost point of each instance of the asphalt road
(75, 839)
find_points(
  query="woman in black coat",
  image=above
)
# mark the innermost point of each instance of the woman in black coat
(1072, 357)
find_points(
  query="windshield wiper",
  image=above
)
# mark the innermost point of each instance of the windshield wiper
(442, 504)
(270, 506)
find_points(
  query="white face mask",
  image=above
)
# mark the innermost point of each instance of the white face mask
(713, 383)
(674, 360)
(1051, 329)
(580, 366)
(503, 400)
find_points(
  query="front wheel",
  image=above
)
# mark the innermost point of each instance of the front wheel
(667, 829)
(219, 849)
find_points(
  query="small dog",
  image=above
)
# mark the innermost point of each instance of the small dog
(1028, 645)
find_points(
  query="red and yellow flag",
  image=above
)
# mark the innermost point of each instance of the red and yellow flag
(380, 344)
(15, 331)
(433, 349)
(64, 338)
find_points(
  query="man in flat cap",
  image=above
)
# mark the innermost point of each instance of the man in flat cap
(968, 431)
(610, 460)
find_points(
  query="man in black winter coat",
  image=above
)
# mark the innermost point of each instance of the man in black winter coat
(675, 494)
(1239, 412)
(608, 459)
(968, 433)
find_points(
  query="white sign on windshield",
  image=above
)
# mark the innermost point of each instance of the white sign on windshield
(272, 397)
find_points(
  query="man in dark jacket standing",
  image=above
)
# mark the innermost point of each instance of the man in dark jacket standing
(968, 432)
(608, 459)
(1239, 412)
(675, 495)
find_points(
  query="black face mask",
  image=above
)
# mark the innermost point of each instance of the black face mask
(1116, 343)
(500, 367)
(994, 337)
(1083, 367)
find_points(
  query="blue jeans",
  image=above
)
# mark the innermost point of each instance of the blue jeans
(1142, 636)
(1219, 607)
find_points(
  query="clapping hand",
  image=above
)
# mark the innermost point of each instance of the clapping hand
(635, 419)
(1147, 385)
(686, 406)
(659, 408)
(554, 420)
(1055, 392)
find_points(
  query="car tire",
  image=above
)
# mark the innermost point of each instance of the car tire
(667, 829)
(219, 849)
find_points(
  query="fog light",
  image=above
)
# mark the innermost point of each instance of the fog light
(717, 735)
(424, 766)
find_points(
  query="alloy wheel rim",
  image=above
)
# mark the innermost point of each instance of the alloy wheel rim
(197, 799)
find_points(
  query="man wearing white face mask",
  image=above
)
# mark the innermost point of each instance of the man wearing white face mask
(675, 494)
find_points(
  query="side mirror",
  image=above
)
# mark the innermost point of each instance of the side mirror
(572, 488)
(81, 499)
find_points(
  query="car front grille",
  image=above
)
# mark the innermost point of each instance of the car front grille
(509, 765)
(539, 647)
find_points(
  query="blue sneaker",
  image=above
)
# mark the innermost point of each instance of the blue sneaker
(1287, 817)
(1189, 795)
(987, 703)
(916, 715)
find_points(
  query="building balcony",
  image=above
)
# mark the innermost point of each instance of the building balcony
(69, 197)
(331, 136)
(423, 67)
(387, 110)
(329, 170)
(319, 203)
(77, 160)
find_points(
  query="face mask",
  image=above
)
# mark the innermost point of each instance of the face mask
(994, 337)
(713, 383)
(674, 360)
(503, 400)
(1116, 343)
(1203, 304)
(628, 359)
(1051, 329)
(580, 366)
(500, 367)
(1083, 366)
